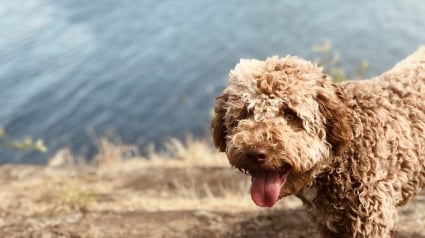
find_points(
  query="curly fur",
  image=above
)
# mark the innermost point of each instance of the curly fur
(356, 149)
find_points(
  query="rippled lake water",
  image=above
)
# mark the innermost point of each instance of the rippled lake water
(148, 70)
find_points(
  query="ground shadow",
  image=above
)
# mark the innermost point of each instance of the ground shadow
(285, 223)
(408, 235)
(278, 223)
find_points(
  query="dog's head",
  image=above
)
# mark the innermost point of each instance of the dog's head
(279, 120)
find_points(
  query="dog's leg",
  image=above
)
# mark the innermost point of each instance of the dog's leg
(372, 215)
(377, 218)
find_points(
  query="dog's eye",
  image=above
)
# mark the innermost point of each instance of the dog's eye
(290, 115)
(292, 118)
(246, 114)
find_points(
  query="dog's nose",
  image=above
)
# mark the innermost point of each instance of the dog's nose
(258, 154)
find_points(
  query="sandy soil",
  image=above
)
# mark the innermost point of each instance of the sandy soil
(152, 201)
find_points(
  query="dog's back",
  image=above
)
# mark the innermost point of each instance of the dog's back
(391, 131)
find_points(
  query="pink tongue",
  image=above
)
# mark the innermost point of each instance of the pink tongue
(265, 188)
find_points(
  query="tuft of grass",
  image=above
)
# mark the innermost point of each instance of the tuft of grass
(77, 195)
(191, 153)
(65, 158)
(330, 60)
(111, 153)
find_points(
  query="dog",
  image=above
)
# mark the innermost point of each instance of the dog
(351, 151)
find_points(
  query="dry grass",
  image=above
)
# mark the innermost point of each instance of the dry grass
(108, 184)
(187, 189)
(176, 153)
(190, 153)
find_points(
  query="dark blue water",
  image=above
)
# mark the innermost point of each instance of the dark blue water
(150, 69)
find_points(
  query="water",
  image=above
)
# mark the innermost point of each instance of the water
(148, 70)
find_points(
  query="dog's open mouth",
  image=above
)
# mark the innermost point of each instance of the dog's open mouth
(266, 186)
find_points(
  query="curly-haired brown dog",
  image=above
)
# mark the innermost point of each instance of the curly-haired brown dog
(351, 151)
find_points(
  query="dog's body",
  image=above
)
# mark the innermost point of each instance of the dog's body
(352, 152)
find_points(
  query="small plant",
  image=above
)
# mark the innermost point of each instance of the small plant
(76, 195)
(27, 143)
(330, 61)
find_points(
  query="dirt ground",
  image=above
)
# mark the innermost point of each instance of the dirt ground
(152, 201)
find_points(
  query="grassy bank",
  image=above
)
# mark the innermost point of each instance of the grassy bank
(186, 190)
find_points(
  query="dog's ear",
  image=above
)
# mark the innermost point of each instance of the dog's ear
(332, 105)
(219, 130)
